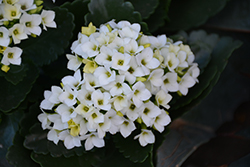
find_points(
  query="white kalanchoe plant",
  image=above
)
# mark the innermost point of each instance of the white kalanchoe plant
(126, 85)
(19, 20)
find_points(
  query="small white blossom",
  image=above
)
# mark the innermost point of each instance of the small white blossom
(145, 137)
(12, 56)
(48, 17)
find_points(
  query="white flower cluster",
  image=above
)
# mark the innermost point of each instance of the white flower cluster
(126, 84)
(18, 19)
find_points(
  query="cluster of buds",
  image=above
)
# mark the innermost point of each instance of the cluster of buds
(18, 20)
(126, 84)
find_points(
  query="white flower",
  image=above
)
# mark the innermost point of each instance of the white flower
(12, 56)
(182, 59)
(120, 102)
(127, 127)
(90, 48)
(56, 92)
(31, 23)
(84, 109)
(91, 82)
(150, 111)
(84, 95)
(161, 121)
(73, 81)
(27, 5)
(101, 100)
(18, 33)
(12, 12)
(46, 103)
(43, 118)
(171, 61)
(194, 71)
(94, 118)
(68, 96)
(132, 111)
(93, 140)
(103, 127)
(147, 61)
(128, 30)
(74, 62)
(115, 119)
(155, 77)
(170, 82)
(186, 82)
(140, 93)
(118, 86)
(4, 36)
(145, 137)
(132, 47)
(163, 98)
(105, 56)
(69, 141)
(76, 45)
(133, 71)
(158, 42)
(105, 76)
(57, 122)
(48, 19)
(53, 136)
(67, 113)
(121, 61)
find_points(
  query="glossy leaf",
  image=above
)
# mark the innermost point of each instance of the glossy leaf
(38, 142)
(86, 160)
(16, 73)
(146, 8)
(47, 47)
(79, 9)
(220, 54)
(13, 95)
(117, 159)
(8, 128)
(131, 148)
(234, 17)
(19, 156)
(102, 11)
(184, 14)
(159, 17)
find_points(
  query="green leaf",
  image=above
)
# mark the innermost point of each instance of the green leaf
(38, 142)
(13, 95)
(158, 18)
(220, 54)
(19, 156)
(146, 8)
(117, 159)
(102, 11)
(47, 47)
(131, 148)
(234, 17)
(16, 73)
(8, 128)
(86, 160)
(79, 9)
(184, 14)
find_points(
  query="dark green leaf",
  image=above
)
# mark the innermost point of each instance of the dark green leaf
(8, 128)
(131, 148)
(158, 18)
(187, 14)
(79, 9)
(242, 162)
(38, 142)
(15, 74)
(19, 156)
(29, 119)
(208, 78)
(47, 47)
(86, 160)
(117, 159)
(146, 8)
(13, 95)
(102, 11)
(235, 17)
